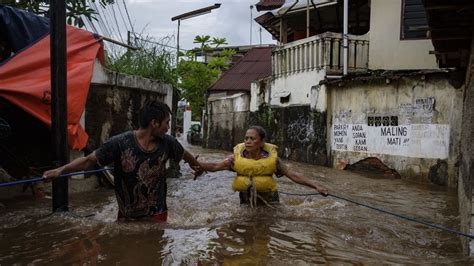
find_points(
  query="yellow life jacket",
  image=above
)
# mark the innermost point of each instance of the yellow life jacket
(261, 170)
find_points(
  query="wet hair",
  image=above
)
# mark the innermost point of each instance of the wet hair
(152, 109)
(260, 131)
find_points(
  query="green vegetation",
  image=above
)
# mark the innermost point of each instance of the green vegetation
(196, 77)
(152, 60)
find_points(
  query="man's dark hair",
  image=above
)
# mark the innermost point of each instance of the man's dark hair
(152, 109)
(261, 132)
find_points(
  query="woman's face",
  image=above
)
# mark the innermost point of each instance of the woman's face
(253, 141)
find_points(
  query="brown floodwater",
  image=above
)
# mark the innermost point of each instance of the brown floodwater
(206, 225)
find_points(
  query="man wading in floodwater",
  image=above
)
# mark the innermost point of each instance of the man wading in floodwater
(139, 158)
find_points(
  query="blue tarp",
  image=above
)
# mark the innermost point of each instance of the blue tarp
(20, 29)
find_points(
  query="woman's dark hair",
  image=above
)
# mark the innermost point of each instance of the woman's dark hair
(152, 109)
(260, 131)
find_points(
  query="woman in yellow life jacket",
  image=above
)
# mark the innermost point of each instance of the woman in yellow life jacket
(255, 163)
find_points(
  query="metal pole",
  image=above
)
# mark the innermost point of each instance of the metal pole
(307, 18)
(59, 101)
(174, 97)
(128, 38)
(345, 33)
(177, 43)
(128, 43)
(251, 7)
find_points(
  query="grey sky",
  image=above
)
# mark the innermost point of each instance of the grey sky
(230, 21)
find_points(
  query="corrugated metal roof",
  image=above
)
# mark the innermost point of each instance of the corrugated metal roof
(256, 64)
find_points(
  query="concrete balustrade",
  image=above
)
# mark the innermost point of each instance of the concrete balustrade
(323, 51)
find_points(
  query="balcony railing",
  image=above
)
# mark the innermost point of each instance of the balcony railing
(323, 51)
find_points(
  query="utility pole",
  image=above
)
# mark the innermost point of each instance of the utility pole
(177, 44)
(260, 36)
(59, 101)
(251, 7)
(187, 15)
(129, 40)
(307, 18)
(345, 33)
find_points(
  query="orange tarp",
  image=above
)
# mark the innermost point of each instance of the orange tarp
(25, 79)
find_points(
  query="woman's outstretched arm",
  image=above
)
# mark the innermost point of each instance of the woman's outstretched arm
(301, 179)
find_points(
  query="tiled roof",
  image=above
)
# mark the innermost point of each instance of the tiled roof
(256, 64)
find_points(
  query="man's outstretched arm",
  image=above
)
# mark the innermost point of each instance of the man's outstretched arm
(193, 163)
(79, 164)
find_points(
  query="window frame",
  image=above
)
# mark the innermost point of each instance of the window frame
(402, 25)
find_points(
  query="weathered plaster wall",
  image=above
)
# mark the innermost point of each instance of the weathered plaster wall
(412, 124)
(466, 169)
(300, 129)
(299, 132)
(298, 85)
(112, 107)
(114, 101)
(260, 93)
(386, 50)
(227, 121)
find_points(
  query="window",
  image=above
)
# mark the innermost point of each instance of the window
(414, 23)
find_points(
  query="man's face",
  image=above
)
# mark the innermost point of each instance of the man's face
(160, 129)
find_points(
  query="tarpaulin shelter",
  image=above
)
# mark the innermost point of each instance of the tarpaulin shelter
(25, 70)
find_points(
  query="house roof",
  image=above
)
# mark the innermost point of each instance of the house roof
(325, 15)
(285, 5)
(269, 4)
(256, 64)
(451, 28)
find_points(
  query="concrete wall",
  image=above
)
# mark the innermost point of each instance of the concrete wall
(466, 169)
(112, 107)
(421, 139)
(386, 50)
(114, 101)
(299, 129)
(227, 121)
(298, 85)
(299, 132)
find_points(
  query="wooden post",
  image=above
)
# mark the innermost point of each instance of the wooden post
(59, 101)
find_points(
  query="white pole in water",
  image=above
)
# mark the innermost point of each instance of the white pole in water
(187, 119)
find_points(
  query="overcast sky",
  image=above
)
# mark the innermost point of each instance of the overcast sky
(230, 21)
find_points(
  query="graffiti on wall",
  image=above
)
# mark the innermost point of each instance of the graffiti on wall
(422, 112)
(415, 140)
(408, 131)
(301, 130)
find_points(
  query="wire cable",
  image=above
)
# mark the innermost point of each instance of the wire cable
(116, 22)
(123, 18)
(386, 212)
(128, 16)
(39, 179)
(103, 22)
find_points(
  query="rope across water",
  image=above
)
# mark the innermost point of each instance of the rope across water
(386, 212)
(39, 179)
(253, 200)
